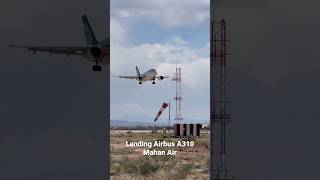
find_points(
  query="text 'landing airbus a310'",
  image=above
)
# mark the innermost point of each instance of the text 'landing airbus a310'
(150, 75)
(94, 51)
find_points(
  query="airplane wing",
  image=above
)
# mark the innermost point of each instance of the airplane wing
(162, 77)
(55, 50)
(128, 77)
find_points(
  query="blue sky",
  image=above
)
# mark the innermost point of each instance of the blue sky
(159, 34)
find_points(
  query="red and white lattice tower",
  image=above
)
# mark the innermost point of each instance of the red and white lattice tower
(178, 97)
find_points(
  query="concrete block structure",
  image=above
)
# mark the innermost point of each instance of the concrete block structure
(184, 130)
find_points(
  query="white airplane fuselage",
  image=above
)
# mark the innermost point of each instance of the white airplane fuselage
(148, 76)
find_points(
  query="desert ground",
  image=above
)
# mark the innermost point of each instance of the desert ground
(129, 163)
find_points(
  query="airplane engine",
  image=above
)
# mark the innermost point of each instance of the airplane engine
(96, 52)
(161, 77)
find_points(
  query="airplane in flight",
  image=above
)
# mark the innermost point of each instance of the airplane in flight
(150, 75)
(94, 51)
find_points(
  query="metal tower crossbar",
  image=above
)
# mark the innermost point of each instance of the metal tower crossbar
(178, 94)
(219, 117)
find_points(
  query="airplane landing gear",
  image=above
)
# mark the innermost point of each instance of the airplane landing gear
(140, 82)
(153, 82)
(97, 67)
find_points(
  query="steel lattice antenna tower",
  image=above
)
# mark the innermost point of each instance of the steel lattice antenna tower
(178, 97)
(219, 117)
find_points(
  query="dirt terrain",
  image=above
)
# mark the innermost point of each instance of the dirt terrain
(129, 163)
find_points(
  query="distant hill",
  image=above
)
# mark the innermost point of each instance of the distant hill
(124, 123)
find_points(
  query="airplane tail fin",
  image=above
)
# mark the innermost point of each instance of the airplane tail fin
(90, 37)
(138, 72)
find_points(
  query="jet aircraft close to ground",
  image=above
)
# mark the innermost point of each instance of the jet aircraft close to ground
(94, 51)
(150, 75)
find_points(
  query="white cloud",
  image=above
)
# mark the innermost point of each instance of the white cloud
(165, 12)
(118, 33)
